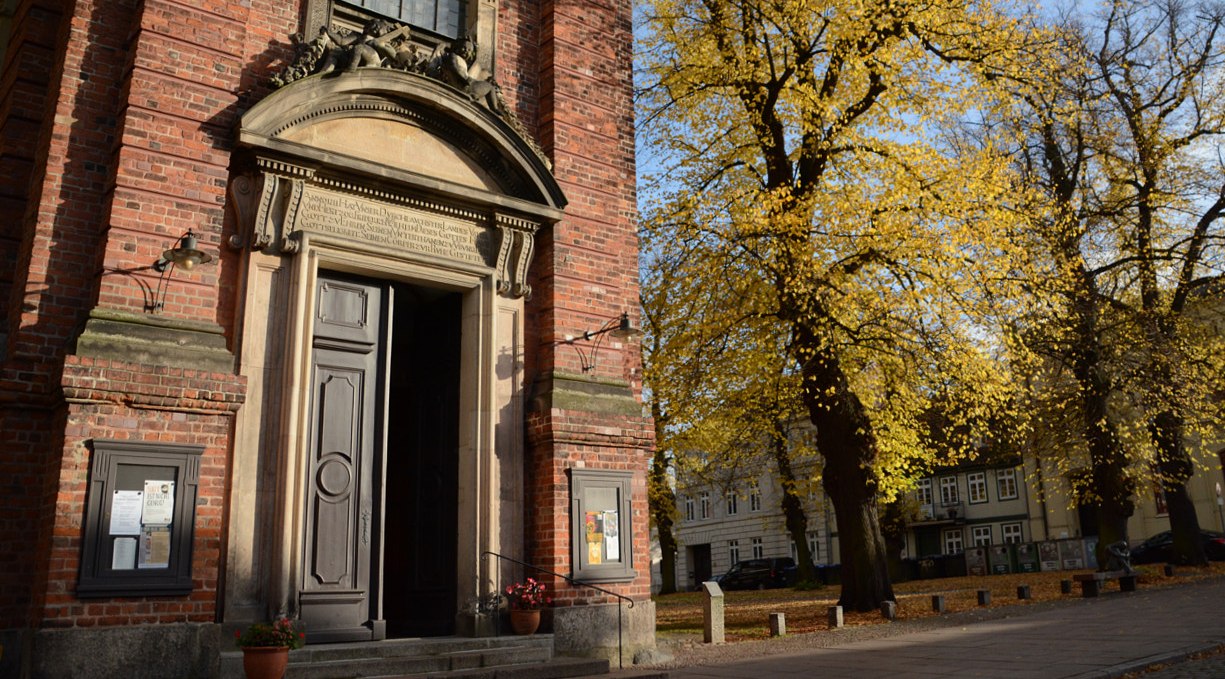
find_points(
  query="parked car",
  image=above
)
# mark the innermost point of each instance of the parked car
(1159, 548)
(757, 574)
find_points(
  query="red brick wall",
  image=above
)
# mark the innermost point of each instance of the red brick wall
(586, 272)
(137, 123)
(109, 399)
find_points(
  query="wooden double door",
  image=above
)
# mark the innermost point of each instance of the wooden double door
(380, 514)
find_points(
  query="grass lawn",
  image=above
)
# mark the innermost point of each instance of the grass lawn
(747, 613)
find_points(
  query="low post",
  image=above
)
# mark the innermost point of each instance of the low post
(888, 610)
(712, 614)
(1023, 591)
(835, 617)
(938, 603)
(1065, 586)
(1168, 570)
(778, 624)
(984, 597)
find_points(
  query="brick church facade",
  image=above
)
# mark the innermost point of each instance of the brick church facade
(285, 320)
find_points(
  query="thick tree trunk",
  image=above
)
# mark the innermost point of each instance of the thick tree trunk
(1176, 468)
(865, 567)
(793, 510)
(1110, 490)
(846, 441)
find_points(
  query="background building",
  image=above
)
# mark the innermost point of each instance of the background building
(281, 324)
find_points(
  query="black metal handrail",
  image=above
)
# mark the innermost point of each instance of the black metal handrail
(620, 597)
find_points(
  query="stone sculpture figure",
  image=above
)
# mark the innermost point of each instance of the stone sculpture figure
(380, 44)
(368, 48)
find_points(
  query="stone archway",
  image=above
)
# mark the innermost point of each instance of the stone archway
(394, 179)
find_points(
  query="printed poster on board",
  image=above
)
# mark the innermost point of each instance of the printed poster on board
(158, 508)
(612, 536)
(125, 512)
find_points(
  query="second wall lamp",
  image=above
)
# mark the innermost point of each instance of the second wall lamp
(619, 326)
(184, 253)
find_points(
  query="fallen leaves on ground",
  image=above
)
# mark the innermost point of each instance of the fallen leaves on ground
(747, 614)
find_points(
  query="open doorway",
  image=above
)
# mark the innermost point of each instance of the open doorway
(421, 486)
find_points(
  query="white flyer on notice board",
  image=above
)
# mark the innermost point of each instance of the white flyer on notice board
(125, 512)
(159, 503)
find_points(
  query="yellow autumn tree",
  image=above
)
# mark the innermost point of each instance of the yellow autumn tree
(1126, 211)
(800, 176)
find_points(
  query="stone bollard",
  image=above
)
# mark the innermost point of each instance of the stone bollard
(712, 614)
(1169, 570)
(888, 610)
(835, 617)
(938, 603)
(1023, 592)
(1065, 586)
(778, 624)
(984, 597)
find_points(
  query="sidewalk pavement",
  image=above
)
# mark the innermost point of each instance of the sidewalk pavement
(1090, 639)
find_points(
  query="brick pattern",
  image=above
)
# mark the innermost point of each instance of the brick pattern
(585, 274)
(136, 119)
(25, 89)
(110, 399)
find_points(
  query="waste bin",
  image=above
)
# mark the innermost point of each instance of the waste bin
(1027, 557)
(1001, 558)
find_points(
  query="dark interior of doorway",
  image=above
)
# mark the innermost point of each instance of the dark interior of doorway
(421, 491)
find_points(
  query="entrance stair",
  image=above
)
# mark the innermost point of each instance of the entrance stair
(529, 657)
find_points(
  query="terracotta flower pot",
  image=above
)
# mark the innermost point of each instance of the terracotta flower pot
(524, 621)
(265, 662)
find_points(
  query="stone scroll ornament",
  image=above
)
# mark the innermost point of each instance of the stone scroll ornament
(382, 45)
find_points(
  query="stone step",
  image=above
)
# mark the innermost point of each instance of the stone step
(557, 668)
(443, 657)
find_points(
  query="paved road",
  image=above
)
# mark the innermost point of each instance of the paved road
(1095, 639)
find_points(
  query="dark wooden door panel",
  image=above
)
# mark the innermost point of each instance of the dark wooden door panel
(335, 591)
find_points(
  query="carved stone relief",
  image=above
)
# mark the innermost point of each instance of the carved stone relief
(282, 201)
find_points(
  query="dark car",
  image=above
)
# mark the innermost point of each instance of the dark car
(1158, 549)
(757, 574)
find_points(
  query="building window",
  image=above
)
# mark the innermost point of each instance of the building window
(754, 498)
(1012, 533)
(924, 492)
(759, 551)
(976, 484)
(814, 548)
(733, 551)
(445, 17)
(140, 519)
(952, 541)
(703, 505)
(1006, 483)
(948, 490)
(1159, 500)
(982, 536)
(733, 504)
(600, 507)
(689, 509)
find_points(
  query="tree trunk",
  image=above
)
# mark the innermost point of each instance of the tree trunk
(793, 510)
(846, 441)
(1110, 490)
(1176, 468)
(662, 503)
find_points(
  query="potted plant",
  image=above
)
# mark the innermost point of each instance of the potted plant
(526, 600)
(265, 647)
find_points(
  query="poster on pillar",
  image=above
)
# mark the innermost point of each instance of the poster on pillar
(595, 537)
